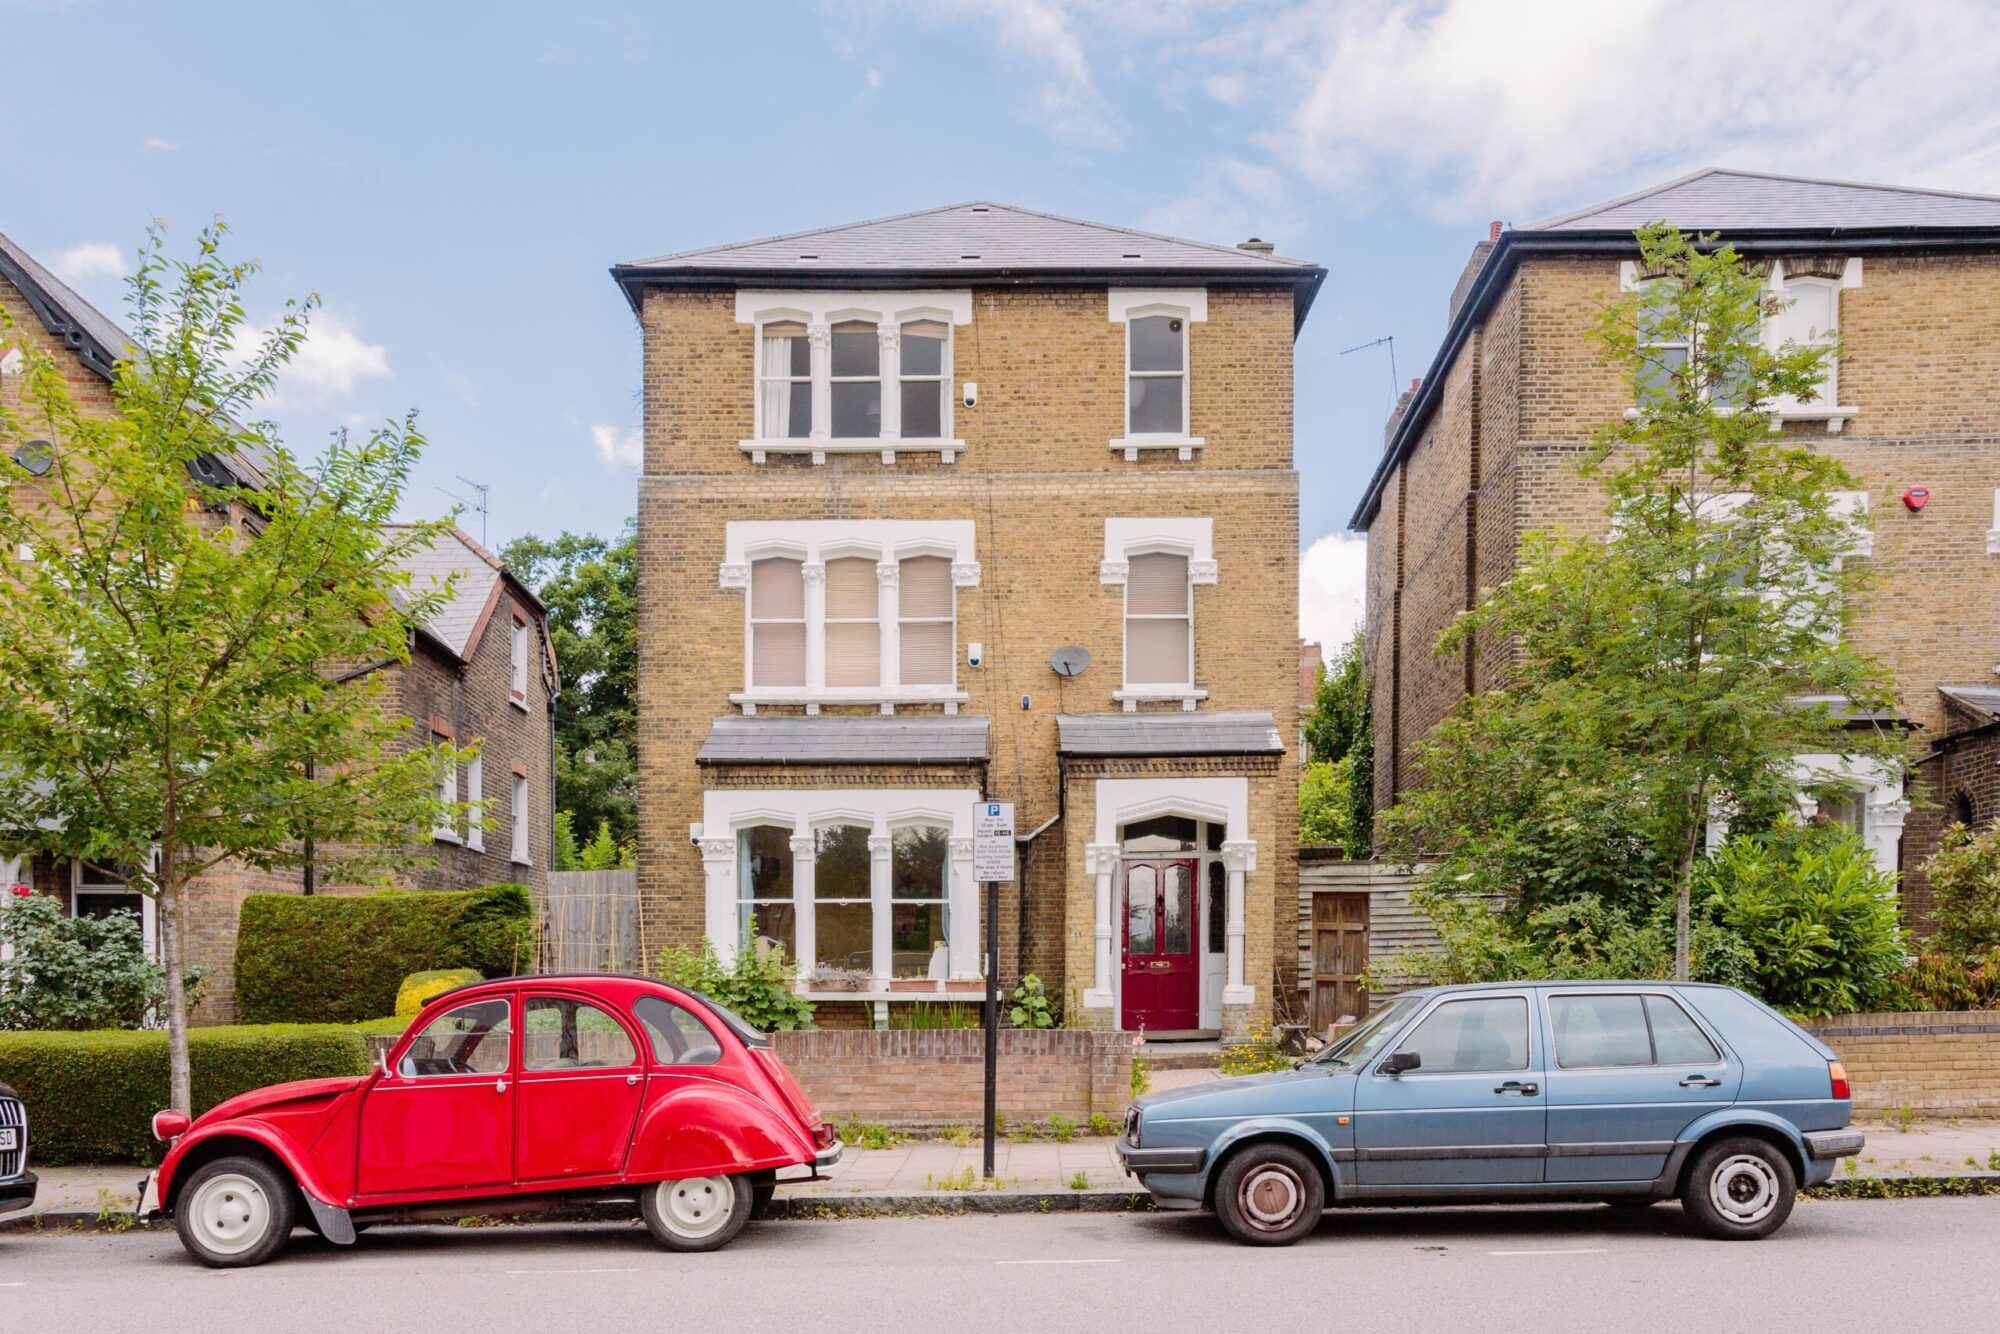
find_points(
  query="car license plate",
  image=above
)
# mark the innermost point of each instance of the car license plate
(10, 1138)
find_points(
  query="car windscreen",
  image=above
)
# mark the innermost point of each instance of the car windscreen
(733, 1021)
(1362, 1042)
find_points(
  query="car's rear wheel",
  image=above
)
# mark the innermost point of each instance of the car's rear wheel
(1740, 1189)
(1269, 1195)
(696, 1213)
(234, 1212)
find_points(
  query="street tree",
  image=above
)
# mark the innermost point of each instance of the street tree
(187, 654)
(1671, 671)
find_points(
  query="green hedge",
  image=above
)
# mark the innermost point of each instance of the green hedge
(91, 1095)
(333, 959)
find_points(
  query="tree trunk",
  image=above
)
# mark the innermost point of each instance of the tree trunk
(180, 1082)
(1681, 896)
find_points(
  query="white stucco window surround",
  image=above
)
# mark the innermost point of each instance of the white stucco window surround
(853, 372)
(1157, 369)
(837, 632)
(1993, 533)
(792, 822)
(1875, 810)
(1153, 611)
(1125, 801)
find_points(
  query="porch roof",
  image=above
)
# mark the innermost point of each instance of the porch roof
(806, 741)
(1087, 735)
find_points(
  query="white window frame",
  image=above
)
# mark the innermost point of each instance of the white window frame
(941, 381)
(1190, 306)
(882, 811)
(766, 377)
(518, 647)
(81, 888)
(475, 816)
(815, 542)
(1789, 408)
(446, 828)
(1125, 538)
(518, 852)
(819, 311)
(776, 551)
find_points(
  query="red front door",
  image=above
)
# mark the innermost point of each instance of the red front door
(1162, 991)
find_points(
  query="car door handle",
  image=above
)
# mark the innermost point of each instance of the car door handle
(1516, 1086)
(631, 1080)
(500, 1084)
(1700, 1082)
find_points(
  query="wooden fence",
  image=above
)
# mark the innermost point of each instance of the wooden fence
(590, 923)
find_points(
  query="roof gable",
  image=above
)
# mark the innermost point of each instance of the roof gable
(1717, 199)
(458, 623)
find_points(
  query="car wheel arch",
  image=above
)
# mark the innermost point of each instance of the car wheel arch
(224, 1145)
(1291, 1136)
(1771, 1133)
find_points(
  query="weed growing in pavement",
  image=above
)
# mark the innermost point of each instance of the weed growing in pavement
(1141, 1081)
(966, 1180)
(1260, 1055)
(1061, 1129)
(958, 1137)
(1993, 1160)
(1902, 1118)
(112, 1215)
(867, 1135)
(1102, 1125)
(1080, 1181)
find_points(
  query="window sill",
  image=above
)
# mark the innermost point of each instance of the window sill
(758, 450)
(1993, 541)
(520, 861)
(518, 701)
(1184, 446)
(949, 696)
(1835, 418)
(453, 839)
(1189, 696)
(475, 847)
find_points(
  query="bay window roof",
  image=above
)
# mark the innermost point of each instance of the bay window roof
(810, 741)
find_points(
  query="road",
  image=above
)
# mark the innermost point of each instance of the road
(1859, 1265)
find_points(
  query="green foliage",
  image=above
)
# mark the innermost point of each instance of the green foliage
(1965, 888)
(1337, 788)
(91, 1096)
(1656, 675)
(1261, 1054)
(1032, 1007)
(341, 958)
(1818, 919)
(1938, 980)
(417, 989)
(1061, 1129)
(1079, 1180)
(590, 586)
(59, 971)
(867, 1135)
(1579, 939)
(928, 1015)
(605, 853)
(1142, 1079)
(1102, 1125)
(566, 857)
(758, 987)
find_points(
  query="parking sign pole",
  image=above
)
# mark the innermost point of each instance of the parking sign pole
(993, 854)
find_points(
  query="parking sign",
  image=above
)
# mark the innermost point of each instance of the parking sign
(993, 841)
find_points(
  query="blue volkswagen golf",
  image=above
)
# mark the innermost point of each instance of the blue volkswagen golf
(1626, 1092)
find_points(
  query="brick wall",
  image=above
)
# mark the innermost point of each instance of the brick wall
(1944, 1063)
(940, 1074)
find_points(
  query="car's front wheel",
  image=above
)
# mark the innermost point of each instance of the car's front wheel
(1269, 1195)
(1740, 1189)
(696, 1213)
(234, 1212)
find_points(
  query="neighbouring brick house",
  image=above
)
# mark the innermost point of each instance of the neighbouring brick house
(481, 667)
(892, 472)
(1482, 451)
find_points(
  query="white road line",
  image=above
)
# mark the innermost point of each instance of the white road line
(22, 1284)
(1109, 1260)
(521, 1273)
(1579, 1250)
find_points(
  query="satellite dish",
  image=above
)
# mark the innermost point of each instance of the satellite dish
(37, 456)
(1070, 660)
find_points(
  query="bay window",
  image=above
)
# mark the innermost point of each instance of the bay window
(843, 907)
(1159, 621)
(766, 913)
(778, 622)
(919, 895)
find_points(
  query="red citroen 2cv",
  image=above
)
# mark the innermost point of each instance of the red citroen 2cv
(540, 1089)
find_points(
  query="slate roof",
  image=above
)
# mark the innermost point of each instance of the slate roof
(1982, 702)
(928, 739)
(479, 573)
(1112, 734)
(971, 242)
(1732, 201)
(1849, 714)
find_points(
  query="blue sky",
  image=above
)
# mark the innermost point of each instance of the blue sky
(454, 179)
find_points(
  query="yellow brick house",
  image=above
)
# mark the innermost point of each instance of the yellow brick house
(974, 503)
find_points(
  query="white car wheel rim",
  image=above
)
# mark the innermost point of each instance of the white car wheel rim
(1271, 1197)
(230, 1213)
(1744, 1189)
(697, 1207)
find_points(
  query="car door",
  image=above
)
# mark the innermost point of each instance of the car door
(1629, 1070)
(1471, 1112)
(581, 1083)
(443, 1118)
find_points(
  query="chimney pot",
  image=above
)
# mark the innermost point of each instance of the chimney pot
(1256, 244)
(1493, 231)
(1415, 385)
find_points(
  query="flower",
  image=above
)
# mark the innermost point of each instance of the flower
(22, 891)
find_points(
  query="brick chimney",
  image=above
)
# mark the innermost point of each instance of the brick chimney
(1401, 410)
(1472, 267)
(1260, 246)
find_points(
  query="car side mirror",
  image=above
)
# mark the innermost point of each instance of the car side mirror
(1399, 1061)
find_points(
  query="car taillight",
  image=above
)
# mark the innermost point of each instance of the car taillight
(1838, 1073)
(823, 1136)
(169, 1125)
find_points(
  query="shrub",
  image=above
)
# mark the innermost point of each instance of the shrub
(1259, 1055)
(59, 971)
(91, 1095)
(1816, 916)
(1965, 889)
(758, 987)
(1030, 1006)
(1945, 981)
(418, 988)
(341, 958)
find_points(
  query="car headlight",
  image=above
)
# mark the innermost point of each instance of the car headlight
(1132, 1125)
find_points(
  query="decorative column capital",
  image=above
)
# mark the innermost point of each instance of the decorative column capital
(814, 572)
(1240, 855)
(718, 849)
(1202, 571)
(961, 849)
(880, 845)
(802, 845)
(819, 336)
(890, 336)
(734, 576)
(965, 574)
(888, 573)
(1113, 571)
(1100, 858)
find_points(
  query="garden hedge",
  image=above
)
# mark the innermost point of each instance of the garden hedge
(91, 1095)
(339, 958)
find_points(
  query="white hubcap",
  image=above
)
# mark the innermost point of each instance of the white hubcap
(230, 1213)
(1744, 1189)
(1271, 1197)
(697, 1206)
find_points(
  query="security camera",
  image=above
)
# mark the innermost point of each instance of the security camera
(971, 393)
(694, 834)
(975, 654)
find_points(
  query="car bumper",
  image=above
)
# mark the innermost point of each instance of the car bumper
(1164, 1161)
(17, 1192)
(149, 1196)
(828, 1156)
(1823, 1144)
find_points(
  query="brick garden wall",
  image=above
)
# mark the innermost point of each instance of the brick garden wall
(940, 1074)
(1944, 1063)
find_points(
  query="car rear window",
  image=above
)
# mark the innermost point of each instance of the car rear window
(733, 1021)
(677, 1035)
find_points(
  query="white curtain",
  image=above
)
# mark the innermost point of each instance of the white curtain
(777, 388)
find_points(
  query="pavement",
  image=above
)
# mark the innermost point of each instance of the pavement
(1836, 1266)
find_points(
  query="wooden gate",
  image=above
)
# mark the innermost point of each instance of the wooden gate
(1339, 956)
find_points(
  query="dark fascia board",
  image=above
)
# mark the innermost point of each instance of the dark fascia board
(1514, 246)
(93, 354)
(849, 762)
(1304, 281)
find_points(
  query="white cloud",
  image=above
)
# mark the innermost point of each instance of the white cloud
(1332, 581)
(160, 145)
(1233, 199)
(619, 447)
(1227, 89)
(326, 367)
(89, 262)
